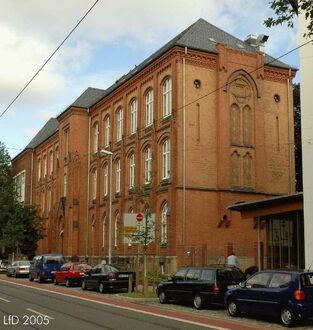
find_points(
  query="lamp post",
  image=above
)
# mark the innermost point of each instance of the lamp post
(104, 152)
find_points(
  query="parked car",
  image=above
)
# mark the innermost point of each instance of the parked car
(18, 268)
(200, 285)
(3, 265)
(44, 266)
(106, 277)
(71, 273)
(287, 294)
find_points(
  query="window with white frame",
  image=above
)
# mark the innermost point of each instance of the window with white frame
(106, 131)
(119, 124)
(51, 162)
(105, 180)
(149, 107)
(167, 97)
(64, 185)
(132, 171)
(133, 116)
(44, 166)
(20, 185)
(39, 169)
(164, 224)
(95, 137)
(94, 184)
(116, 229)
(148, 165)
(118, 176)
(166, 159)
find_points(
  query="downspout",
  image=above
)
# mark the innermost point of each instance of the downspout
(289, 135)
(88, 185)
(184, 150)
(31, 178)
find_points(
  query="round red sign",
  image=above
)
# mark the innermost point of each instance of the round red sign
(139, 217)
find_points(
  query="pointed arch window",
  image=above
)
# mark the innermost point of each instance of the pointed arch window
(235, 169)
(51, 162)
(247, 170)
(247, 126)
(235, 124)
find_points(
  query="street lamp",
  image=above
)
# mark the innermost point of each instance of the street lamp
(104, 152)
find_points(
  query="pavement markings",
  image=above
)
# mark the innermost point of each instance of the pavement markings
(5, 300)
(45, 315)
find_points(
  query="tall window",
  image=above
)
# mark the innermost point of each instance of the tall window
(116, 229)
(51, 162)
(133, 116)
(164, 224)
(103, 230)
(119, 124)
(118, 176)
(148, 164)
(95, 137)
(149, 107)
(44, 166)
(67, 141)
(20, 186)
(39, 169)
(166, 159)
(105, 180)
(132, 171)
(94, 184)
(49, 200)
(64, 185)
(106, 131)
(167, 97)
(57, 157)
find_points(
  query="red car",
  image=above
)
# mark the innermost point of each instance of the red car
(71, 273)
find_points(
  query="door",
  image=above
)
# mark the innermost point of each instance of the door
(174, 287)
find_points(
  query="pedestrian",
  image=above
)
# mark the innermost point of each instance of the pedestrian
(232, 260)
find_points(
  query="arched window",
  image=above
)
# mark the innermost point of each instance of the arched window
(116, 229)
(164, 215)
(119, 124)
(106, 131)
(94, 184)
(44, 166)
(148, 165)
(166, 159)
(105, 180)
(133, 116)
(103, 230)
(235, 124)
(95, 137)
(235, 169)
(118, 176)
(57, 165)
(247, 126)
(39, 169)
(149, 107)
(132, 171)
(51, 162)
(247, 170)
(167, 97)
(64, 185)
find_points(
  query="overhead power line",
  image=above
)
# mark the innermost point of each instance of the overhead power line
(49, 58)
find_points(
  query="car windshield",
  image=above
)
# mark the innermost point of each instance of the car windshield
(24, 263)
(53, 260)
(82, 267)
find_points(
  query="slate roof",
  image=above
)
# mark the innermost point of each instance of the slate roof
(201, 36)
(89, 97)
(48, 130)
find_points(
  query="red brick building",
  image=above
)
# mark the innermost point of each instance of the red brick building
(203, 123)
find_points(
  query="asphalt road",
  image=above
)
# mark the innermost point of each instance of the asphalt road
(24, 307)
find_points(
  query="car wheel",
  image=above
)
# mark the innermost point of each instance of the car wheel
(101, 288)
(84, 285)
(40, 280)
(55, 281)
(287, 317)
(198, 301)
(30, 277)
(163, 297)
(233, 309)
(67, 283)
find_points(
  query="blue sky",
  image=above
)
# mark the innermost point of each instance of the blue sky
(115, 36)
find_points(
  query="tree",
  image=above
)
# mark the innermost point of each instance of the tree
(297, 135)
(286, 10)
(20, 225)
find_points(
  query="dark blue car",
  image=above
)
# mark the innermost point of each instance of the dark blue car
(44, 266)
(287, 294)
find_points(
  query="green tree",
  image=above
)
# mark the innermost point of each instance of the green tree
(286, 10)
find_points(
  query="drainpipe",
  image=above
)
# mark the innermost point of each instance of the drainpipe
(31, 178)
(88, 185)
(259, 244)
(289, 135)
(184, 150)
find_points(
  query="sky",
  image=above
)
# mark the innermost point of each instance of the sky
(112, 39)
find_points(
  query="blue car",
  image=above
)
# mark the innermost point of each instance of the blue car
(44, 266)
(287, 294)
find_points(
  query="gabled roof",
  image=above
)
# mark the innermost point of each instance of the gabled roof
(48, 130)
(201, 36)
(89, 97)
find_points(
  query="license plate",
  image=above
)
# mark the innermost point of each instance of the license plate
(123, 276)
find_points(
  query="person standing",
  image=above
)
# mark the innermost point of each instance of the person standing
(232, 260)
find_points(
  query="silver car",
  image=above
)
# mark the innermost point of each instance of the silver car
(18, 268)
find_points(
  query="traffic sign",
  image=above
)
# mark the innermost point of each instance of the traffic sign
(139, 217)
